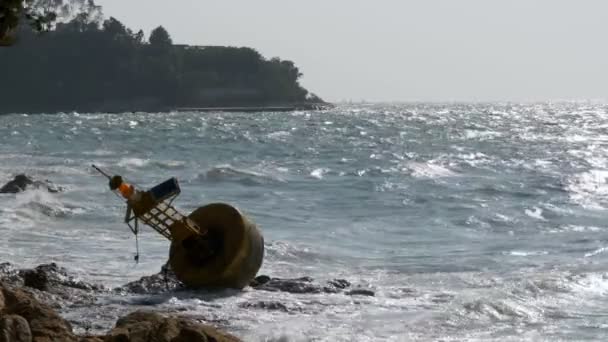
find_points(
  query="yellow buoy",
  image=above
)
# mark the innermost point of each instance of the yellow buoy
(237, 249)
(215, 246)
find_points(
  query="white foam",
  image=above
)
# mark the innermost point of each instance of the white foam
(527, 253)
(133, 162)
(537, 213)
(589, 189)
(428, 170)
(596, 252)
(279, 135)
(318, 173)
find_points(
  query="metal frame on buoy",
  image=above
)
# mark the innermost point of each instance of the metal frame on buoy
(154, 208)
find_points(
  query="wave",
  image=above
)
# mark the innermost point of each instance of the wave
(133, 162)
(137, 163)
(227, 173)
(589, 189)
(30, 204)
(428, 170)
(319, 173)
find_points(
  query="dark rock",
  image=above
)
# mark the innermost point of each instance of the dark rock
(271, 306)
(10, 275)
(143, 326)
(361, 292)
(14, 328)
(339, 283)
(22, 182)
(259, 280)
(36, 280)
(49, 277)
(52, 285)
(336, 285)
(297, 285)
(163, 281)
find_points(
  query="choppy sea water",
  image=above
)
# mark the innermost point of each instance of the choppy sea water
(470, 221)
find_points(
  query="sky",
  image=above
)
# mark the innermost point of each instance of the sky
(402, 50)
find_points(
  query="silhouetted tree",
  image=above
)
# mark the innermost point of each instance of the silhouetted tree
(86, 64)
(159, 37)
(40, 14)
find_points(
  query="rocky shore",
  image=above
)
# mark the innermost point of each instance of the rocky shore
(33, 303)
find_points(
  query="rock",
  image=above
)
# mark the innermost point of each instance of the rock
(24, 319)
(36, 280)
(14, 328)
(361, 292)
(51, 285)
(271, 306)
(336, 285)
(91, 339)
(142, 326)
(339, 283)
(298, 285)
(49, 277)
(259, 280)
(44, 323)
(22, 182)
(10, 275)
(163, 281)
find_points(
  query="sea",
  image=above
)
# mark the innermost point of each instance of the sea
(468, 221)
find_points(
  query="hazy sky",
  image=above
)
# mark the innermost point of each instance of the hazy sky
(400, 50)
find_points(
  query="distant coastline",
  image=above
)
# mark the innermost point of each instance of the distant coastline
(90, 65)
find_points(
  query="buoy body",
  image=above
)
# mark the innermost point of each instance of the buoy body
(229, 255)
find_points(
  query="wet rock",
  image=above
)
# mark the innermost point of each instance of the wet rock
(10, 275)
(50, 277)
(259, 280)
(44, 323)
(270, 306)
(361, 292)
(36, 280)
(163, 281)
(51, 285)
(143, 326)
(298, 285)
(22, 182)
(24, 318)
(14, 328)
(339, 283)
(336, 285)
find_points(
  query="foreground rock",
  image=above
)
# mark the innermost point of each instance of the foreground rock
(150, 326)
(23, 319)
(22, 182)
(51, 284)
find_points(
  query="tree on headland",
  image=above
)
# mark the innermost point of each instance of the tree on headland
(159, 37)
(85, 63)
(41, 15)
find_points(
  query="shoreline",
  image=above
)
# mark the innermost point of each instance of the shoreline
(120, 109)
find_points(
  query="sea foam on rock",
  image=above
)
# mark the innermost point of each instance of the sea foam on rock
(29, 298)
(24, 319)
(22, 182)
